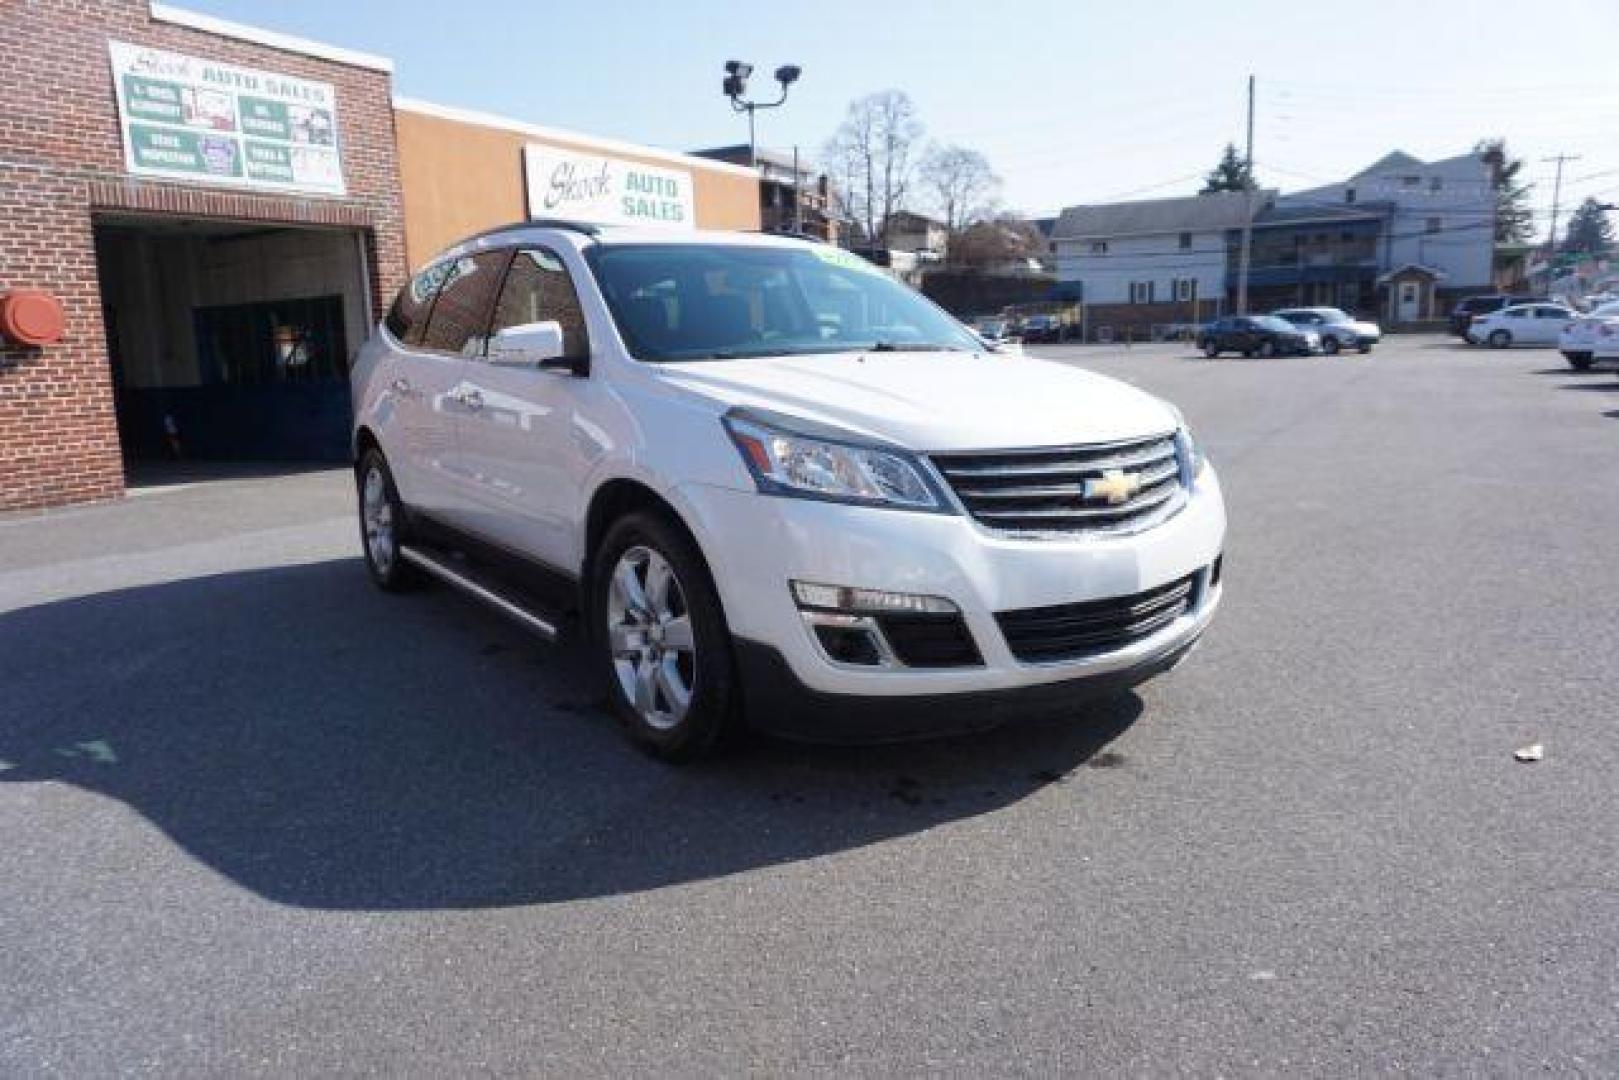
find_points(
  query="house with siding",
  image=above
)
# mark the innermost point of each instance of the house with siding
(1400, 240)
(1437, 243)
(1151, 262)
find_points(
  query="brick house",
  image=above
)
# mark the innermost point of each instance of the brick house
(299, 228)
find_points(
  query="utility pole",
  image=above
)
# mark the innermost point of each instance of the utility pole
(798, 194)
(1557, 197)
(1248, 212)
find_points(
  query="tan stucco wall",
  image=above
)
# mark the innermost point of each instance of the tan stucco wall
(460, 177)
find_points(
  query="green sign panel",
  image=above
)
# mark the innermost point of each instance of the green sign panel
(264, 118)
(153, 99)
(267, 161)
(184, 151)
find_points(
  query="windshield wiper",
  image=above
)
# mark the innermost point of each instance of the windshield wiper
(911, 346)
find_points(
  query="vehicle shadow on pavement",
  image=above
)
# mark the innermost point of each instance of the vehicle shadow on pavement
(328, 746)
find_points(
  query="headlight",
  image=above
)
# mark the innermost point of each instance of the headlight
(785, 461)
(1192, 459)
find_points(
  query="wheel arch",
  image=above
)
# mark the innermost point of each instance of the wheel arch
(625, 495)
(364, 439)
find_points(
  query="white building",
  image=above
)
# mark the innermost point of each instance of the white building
(1153, 252)
(1438, 242)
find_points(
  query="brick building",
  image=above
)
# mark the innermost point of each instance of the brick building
(220, 213)
(161, 226)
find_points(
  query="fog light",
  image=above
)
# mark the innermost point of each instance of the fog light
(868, 601)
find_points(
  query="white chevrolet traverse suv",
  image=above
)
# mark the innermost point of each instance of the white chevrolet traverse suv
(776, 486)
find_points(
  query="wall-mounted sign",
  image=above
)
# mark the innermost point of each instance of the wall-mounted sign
(604, 190)
(185, 118)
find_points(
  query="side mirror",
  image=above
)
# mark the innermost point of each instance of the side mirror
(537, 344)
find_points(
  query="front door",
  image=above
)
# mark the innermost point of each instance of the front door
(1409, 306)
(523, 451)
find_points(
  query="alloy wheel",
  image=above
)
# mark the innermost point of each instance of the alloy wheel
(650, 634)
(377, 513)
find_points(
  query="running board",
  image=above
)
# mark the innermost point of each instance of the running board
(438, 567)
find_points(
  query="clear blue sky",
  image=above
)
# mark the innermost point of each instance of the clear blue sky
(1071, 101)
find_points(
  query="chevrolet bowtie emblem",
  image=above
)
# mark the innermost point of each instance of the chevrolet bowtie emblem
(1114, 485)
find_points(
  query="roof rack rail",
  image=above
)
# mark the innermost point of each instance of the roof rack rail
(795, 234)
(538, 223)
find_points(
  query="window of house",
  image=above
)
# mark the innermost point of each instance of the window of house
(1184, 287)
(1141, 292)
(1436, 183)
(1186, 241)
(1410, 181)
(1349, 195)
(1436, 224)
(461, 312)
(538, 288)
(1098, 247)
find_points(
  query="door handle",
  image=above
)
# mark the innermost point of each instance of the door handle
(472, 399)
(400, 386)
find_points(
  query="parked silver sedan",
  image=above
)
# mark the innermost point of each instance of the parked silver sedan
(1337, 328)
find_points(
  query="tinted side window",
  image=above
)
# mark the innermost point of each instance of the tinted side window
(538, 288)
(462, 310)
(408, 317)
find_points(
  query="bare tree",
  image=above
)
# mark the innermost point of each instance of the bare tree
(871, 155)
(960, 184)
(995, 241)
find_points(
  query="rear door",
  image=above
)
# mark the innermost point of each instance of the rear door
(455, 329)
(1549, 323)
(417, 434)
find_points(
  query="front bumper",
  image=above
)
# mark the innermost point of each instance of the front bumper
(758, 544)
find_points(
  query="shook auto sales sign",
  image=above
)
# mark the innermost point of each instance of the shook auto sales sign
(604, 190)
(185, 118)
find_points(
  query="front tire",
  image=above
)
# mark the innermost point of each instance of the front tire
(382, 524)
(1211, 350)
(1499, 339)
(1267, 349)
(1579, 361)
(660, 639)
(1329, 345)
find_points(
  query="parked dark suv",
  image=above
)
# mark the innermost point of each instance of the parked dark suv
(1256, 335)
(1462, 316)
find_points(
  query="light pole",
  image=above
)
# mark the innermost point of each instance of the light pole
(736, 84)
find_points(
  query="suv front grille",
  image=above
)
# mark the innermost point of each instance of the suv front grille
(1046, 635)
(1108, 487)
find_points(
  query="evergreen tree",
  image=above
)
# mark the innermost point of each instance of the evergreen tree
(1233, 173)
(1589, 231)
(1514, 221)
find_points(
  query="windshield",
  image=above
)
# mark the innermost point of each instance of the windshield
(724, 302)
(1332, 315)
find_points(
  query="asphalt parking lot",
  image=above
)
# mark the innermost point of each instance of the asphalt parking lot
(258, 818)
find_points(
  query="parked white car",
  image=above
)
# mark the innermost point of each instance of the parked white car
(1522, 324)
(1592, 338)
(776, 485)
(1337, 329)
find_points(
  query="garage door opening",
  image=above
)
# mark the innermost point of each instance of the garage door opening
(231, 341)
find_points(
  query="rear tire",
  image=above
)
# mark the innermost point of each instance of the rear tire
(659, 639)
(1499, 339)
(1330, 346)
(1211, 350)
(1579, 361)
(1364, 349)
(382, 525)
(1267, 349)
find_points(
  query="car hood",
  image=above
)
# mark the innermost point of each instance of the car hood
(934, 401)
(1355, 326)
